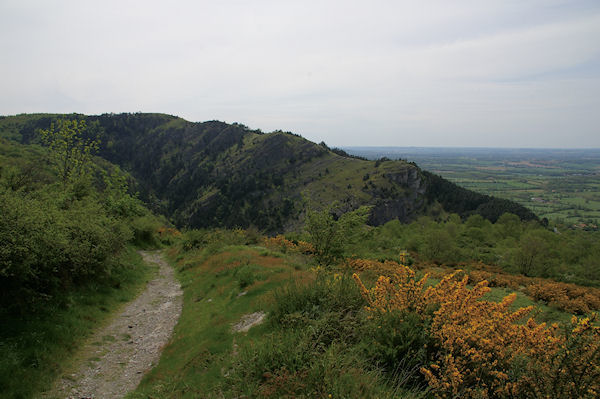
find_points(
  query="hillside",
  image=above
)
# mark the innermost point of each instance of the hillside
(364, 328)
(214, 174)
(396, 310)
(67, 256)
(556, 184)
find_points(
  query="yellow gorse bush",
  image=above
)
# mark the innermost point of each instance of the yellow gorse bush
(164, 231)
(400, 291)
(483, 351)
(569, 297)
(387, 268)
(284, 245)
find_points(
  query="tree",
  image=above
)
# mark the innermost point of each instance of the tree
(329, 236)
(509, 225)
(70, 152)
(117, 200)
(439, 245)
(530, 256)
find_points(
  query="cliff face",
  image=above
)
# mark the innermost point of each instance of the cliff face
(217, 174)
(404, 208)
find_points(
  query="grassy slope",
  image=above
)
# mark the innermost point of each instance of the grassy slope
(319, 181)
(35, 349)
(201, 350)
(202, 357)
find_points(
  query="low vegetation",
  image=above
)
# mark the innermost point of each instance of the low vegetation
(466, 300)
(509, 246)
(37, 347)
(357, 327)
(68, 226)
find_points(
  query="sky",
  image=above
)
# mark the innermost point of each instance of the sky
(510, 73)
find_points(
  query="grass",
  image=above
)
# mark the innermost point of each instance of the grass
(192, 365)
(541, 312)
(302, 349)
(317, 340)
(36, 348)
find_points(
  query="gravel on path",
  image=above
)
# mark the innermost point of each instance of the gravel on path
(118, 356)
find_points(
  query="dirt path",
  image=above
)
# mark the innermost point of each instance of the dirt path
(118, 356)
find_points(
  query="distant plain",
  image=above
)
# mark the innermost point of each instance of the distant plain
(562, 185)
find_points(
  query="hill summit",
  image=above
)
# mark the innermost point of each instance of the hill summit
(214, 174)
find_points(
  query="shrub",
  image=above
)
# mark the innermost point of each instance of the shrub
(568, 297)
(216, 238)
(312, 350)
(288, 365)
(47, 247)
(330, 236)
(281, 244)
(145, 229)
(310, 300)
(481, 349)
(245, 275)
(400, 343)
(168, 235)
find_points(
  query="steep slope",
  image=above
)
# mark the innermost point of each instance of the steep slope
(219, 174)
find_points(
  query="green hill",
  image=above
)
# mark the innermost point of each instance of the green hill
(214, 174)
(344, 316)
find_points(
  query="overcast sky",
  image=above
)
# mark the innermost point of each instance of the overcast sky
(399, 73)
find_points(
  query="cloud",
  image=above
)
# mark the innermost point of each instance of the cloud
(347, 72)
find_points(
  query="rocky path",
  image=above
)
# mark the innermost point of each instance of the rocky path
(118, 356)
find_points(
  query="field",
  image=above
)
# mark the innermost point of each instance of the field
(561, 185)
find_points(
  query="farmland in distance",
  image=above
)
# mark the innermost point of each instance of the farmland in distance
(562, 185)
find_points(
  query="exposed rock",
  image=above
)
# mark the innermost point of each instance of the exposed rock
(248, 321)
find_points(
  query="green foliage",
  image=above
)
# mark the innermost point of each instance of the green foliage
(526, 248)
(315, 348)
(212, 239)
(439, 245)
(330, 237)
(297, 302)
(401, 344)
(144, 231)
(47, 247)
(509, 226)
(117, 200)
(70, 152)
(246, 275)
(288, 365)
(36, 348)
(214, 174)
(58, 235)
(531, 258)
